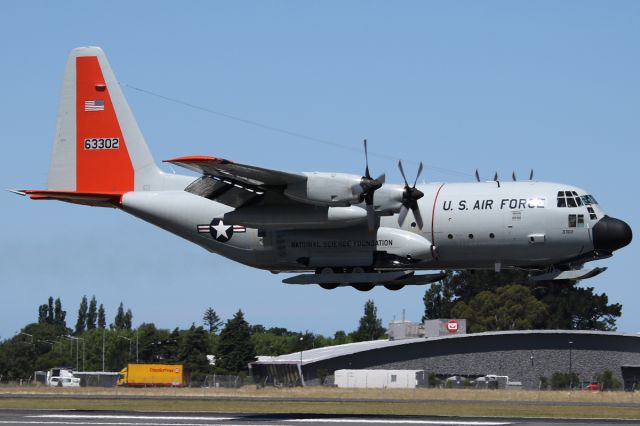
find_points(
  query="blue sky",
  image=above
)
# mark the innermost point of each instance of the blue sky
(495, 85)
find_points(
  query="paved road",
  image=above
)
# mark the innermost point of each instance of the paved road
(114, 418)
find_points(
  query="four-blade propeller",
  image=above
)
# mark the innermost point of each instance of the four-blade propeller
(366, 188)
(410, 198)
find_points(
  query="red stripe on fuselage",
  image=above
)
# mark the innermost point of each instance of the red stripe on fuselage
(433, 216)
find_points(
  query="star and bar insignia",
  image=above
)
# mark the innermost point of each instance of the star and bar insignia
(219, 231)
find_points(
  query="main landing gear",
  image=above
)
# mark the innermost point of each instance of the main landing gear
(360, 286)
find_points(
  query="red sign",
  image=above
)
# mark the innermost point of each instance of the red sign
(452, 326)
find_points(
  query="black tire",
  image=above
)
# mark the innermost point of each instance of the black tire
(330, 286)
(363, 286)
(393, 287)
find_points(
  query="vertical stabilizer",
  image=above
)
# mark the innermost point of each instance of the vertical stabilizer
(98, 147)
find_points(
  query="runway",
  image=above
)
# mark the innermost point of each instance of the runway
(115, 418)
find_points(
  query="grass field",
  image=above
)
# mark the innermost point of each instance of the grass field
(438, 402)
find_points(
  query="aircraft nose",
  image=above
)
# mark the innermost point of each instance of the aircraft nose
(611, 234)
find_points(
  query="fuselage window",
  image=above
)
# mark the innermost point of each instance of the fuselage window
(572, 221)
(592, 214)
(580, 221)
(571, 202)
(562, 202)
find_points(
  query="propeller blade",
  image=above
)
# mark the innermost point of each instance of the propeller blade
(403, 214)
(371, 217)
(495, 177)
(381, 179)
(418, 175)
(417, 215)
(402, 173)
(531, 175)
(513, 176)
(477, 175)
(366, 159)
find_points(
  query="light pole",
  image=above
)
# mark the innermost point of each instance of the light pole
(301, 347)
(570, 365)
(77, 339)
(130, 341)
(104, 330)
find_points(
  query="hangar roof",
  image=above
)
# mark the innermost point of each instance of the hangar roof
(328, 352)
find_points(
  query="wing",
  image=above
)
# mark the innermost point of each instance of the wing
(236, 184)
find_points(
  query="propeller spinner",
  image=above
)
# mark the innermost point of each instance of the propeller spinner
(366, 189)
(410, 198)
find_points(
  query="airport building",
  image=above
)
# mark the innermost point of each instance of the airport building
(522, 356)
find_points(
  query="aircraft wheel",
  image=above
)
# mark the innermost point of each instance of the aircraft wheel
(393, 287)
(325, 271)
(362, 287)
(328, 286)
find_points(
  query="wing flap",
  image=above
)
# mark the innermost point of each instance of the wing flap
(240, 173)
(224, 191)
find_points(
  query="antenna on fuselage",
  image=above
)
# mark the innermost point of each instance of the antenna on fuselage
(531, 175)
(513, 176)
(477, 175)
(496, 180)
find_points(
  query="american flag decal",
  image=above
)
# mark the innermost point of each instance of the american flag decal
(96, 105)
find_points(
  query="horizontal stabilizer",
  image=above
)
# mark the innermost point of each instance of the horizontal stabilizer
(96, 199)
(374, 278)
(572, 275)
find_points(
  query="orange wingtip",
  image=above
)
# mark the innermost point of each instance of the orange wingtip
(197, 159)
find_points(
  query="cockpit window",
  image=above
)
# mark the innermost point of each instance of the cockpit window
(588, 200)
(570, 199)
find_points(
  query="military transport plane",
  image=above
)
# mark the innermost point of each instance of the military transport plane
(332, 229)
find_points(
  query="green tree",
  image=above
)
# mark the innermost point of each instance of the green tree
(102, 319)
(92, 314)
(511, 307)
(235, 348)
(370, 327)
(577, 308)
(193, 353)
(128, 320)
(211, 320)
(568, 306)
(59, 315)
(564, 380)
(50, 311)
(43, 311)
(118, 321)
(438, 302)
(608, 382)
(340, 338)
(82, 316)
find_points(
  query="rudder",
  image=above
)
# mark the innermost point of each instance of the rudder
(98, 147)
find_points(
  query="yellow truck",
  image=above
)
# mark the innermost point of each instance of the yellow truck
(145, 375)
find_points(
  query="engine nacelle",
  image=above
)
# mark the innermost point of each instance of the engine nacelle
(326, 189)
(403, 244)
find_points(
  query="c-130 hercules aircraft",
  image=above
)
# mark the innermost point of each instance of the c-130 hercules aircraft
(333, 229)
